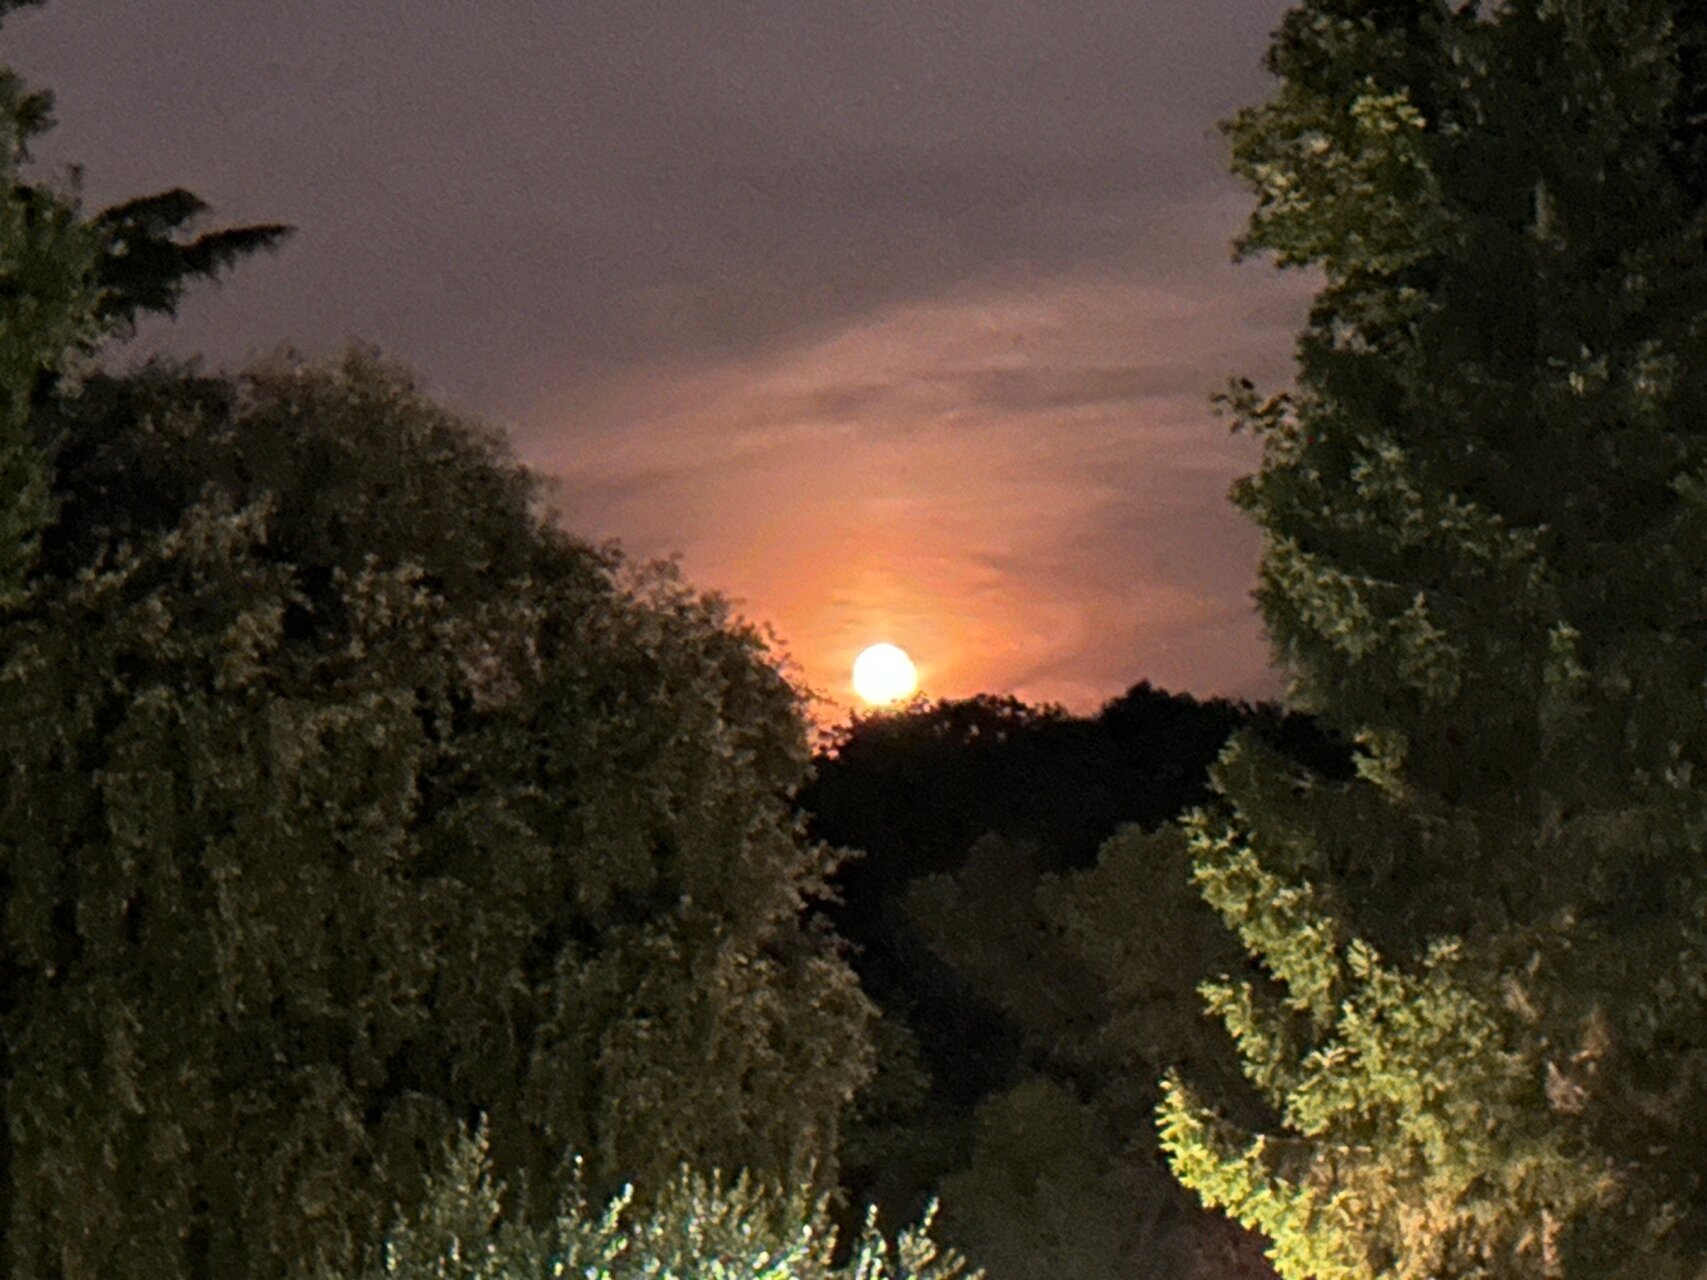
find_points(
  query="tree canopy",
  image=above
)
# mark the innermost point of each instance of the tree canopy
(48, 305)
(347, 798)
(1478, 1017)
(1034, 951)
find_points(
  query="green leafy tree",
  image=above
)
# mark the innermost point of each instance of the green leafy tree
(346, 798)
(1478, 1021)
(695, 1228)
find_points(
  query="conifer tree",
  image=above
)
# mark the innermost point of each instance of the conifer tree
(1478, 1021)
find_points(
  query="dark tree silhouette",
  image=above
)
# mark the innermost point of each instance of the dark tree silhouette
(148, 258)
(913, 792)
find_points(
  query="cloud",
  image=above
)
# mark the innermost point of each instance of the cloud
(499, 192)
(1030, 390)
(894, 319)
(979, 480)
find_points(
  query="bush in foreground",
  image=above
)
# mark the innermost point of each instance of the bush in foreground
(695, 1228)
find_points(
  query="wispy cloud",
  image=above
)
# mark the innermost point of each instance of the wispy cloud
(980, 480)
(896, 320)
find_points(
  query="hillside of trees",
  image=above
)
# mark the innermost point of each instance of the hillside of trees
(394, 884)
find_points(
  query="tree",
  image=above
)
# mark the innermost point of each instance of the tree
(66, 282)
(1096, 969)
(1478, 1024)
(912, 792)
(48, 301)
(346, 798)
(146, 264)
(1035, 955)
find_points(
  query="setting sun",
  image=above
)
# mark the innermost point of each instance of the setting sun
(883, 674)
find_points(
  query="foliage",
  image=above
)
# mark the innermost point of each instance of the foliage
(1479, 1015)
(66, 281)
(146, 264)
(910, 792)
(1097, 969)
(695, 1228)
(914, 788)
(346, 797)
(1048, 1191)
(998, 941)
(48, 303)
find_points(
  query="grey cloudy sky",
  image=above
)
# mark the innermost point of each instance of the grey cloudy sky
(897, 320)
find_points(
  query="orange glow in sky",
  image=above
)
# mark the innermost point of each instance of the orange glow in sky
(1027, 486)
(893, 324)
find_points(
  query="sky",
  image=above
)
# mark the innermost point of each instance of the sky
(896, 320)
